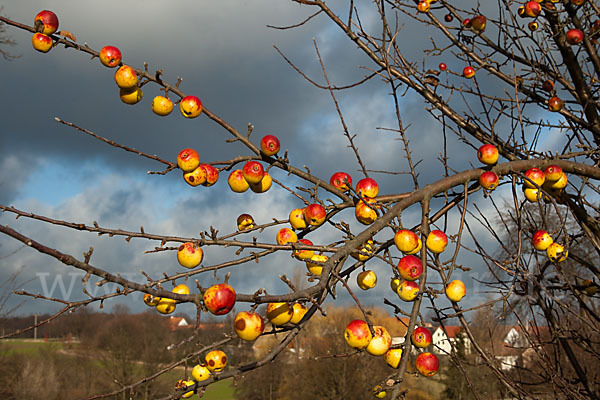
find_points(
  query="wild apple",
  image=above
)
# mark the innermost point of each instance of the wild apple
(535, 177)
(406, 240)
(380, 342)
(392, 357)
(421, 337)
(478, 23)
(188, 160)
(468, 72)
(363, 252)
(150, 300)
(366, 280)
(279, 313)
(488, 154)
(532, 9)
(467, 22)
(357, 334)
(248, 325)
(394, 284)
(195, 177)
(541, 240)
(212, 175)
(378, 392)
(237, 182)
(162, 106)
(341, 180)
(131, 96)
(264, 184)
(298, 312)
(189, 255)
(455, 290)
(200, 372)
(182, 288)
(556, 252)
(219, 299)
(297, 218)
(427, 363)
(533, 26)
(304, 254)
(423, 6)
(365, 213)
(285, 236)
(315, 214)
(110, 56)
(253, 172)
(555, 104)
(41, 42)
(553, 173)
(559, 184)
(532, 194)
(408, 290)
(548, 85)
(184, 384)
(521, 12)
(574, 36)
(417, 249)
(367, 187)
(126, 77)
(269, 145)
(489, 180)
(46, 22)
(448, 17)
(166, 306)
(315, 265)
(190, 106)
(443, 66)
(216, 360)
(410, 267)
(436, 241)
(245, 222)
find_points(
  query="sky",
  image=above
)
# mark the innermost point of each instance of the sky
(224, 51)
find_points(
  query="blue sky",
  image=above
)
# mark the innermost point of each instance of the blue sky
(224, 52)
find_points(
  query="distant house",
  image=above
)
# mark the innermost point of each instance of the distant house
(443, 339)
(517, 344)
(177, 322)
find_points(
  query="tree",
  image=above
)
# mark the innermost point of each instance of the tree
(511, 75)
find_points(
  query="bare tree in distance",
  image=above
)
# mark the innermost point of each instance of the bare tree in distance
(518, 73)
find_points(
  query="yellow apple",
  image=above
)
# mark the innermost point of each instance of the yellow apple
(366, 280)
(162, 106)
(200, 372)
(456, 290)
(126, 77)
(298, 312)
(248, 325)
(313, 267)
(279, 313)
(380, 342)
(297, 218)
(216, 360)
(189, 255)
(131, 96)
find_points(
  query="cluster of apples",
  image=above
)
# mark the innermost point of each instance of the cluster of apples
(488, 155)
(215, 361)
(164, 305)
(194, 173)
(314, 262)
(358, 335)
(45, 23)
(542, 241)
(253, 175)
(552, 180)
(367, 189)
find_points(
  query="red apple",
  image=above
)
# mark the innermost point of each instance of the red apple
(219, 299)
(410, 267)
(357, 334)
(443, 66)
(110, 56)
(574, 36)
(532, 9)
(427, 364)
(253, 172)
(553, 173)
(406, 240)
(341, 180)
(467, 22)
(541, 240)
(315, 214)
(488, 154)
(548, 85)
(248, 325)
(126, 77)
(41, 42)
(555, 104)
(489, 180)
(46, 22)
(365, 213)
(304, 254)
(367, 187)
(468, 72)
(237, 182)
(423, 6)
(478, 23)
(269, 145)
(188, 160)
(536, 176)
(448, 17)
(285, 236)
(436, 241)
(212, 174)
(421, 337)
(190, 106)
(408, 290)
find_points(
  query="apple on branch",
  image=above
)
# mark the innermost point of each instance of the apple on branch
(190, 106)
(219, 299)
(216, 360)
(455, 291)
(410, 267)
(189, 255)
(110, 56)
(279, 313)
(366, 280)
(46, 22)
(427, 364)
(162, 106)
(212, 175)
(357, 334)
(248, 325)
(380, 342)
(269, 145)
(41, 42)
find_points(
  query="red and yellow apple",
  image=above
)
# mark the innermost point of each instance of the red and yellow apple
(237, 182)
(219, 299)
(392, 357)
(408, 290)
(253, 172)
(196, 177)
(279, 313)
(41, 42)
(427, 364)
(548, 85)
(468, 72)
(421, 337)
(406, 240)
(190, 106)
(541, 240)
(126, 77)
(285, 236)
(365, 213)
(297, 218)
(216, 360)
(574, 36)
(315, 214)
(488, 154)
(489, 180)
(556, 252)
(456, 290)
(478, 23)
(410, 267)
(380, 342)
(436, 241)
(535, 178)
(46, 22)
(184, 384)
(150, 300)
(304, 254)
(162, 106)
(532, 9)
(110, 56)
(367, 187)
(269, 145)
(188, 160)
(189, 255)
(357, 334)
(248, 325)
(212, 175)
(341, 180)
(555, 104)
(553, 173)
